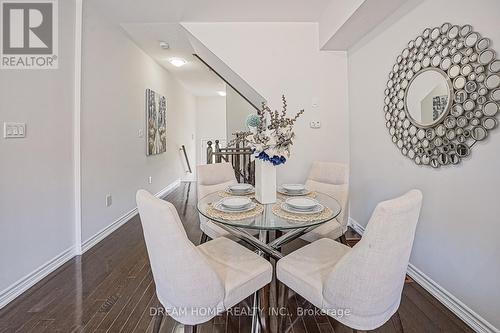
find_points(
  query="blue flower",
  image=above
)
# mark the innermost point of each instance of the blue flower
(275, 160)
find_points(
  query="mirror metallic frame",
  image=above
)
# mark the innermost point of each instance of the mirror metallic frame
(431, 149)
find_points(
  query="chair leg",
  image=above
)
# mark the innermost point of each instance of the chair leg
(264, 295)
(203, 238)
(190, 328)
(158, 320)
(396, 321)
(282, 306)
(343, 239)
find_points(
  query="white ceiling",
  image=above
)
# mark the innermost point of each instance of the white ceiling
(149, 21)
(194, 75)
(171, 11)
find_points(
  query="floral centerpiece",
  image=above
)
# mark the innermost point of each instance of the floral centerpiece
(270, 137)
(271, 133)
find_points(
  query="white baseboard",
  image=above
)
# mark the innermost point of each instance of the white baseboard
(23, 284)
(475, 321)
(92, 241)
(19, 287)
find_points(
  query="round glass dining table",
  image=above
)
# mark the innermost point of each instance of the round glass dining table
(269, 221)
(286, 231)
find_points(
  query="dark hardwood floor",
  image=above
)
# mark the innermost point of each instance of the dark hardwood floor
(111, 289)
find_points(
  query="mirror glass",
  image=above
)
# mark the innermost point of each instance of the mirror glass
(428, 97)
(490, 109)
(495, 66)
(489, 123)
(453, 32)
(483, 44)
(495, 94)
(493, 81)
(486, 56)
(471, 39)
(479, 133)
(465, 30)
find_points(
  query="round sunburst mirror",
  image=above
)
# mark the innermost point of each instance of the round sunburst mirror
(443, 95)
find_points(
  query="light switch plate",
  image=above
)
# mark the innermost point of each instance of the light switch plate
(314, 103)
(109, 200)
(14, 130)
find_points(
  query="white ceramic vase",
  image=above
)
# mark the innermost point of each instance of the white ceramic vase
(265, 182)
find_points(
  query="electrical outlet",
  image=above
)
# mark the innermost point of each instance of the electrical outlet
(150, 180)
(109, 200)
(315, 124)
(140, 133)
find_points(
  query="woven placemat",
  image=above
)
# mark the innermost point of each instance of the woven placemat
(217, 214)
(224, 194)
(324, 214)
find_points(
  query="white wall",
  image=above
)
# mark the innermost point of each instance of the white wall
(284, 58)
(36, 173)
(457, 238)
(115, 75)
(237, 111)
(210, 123)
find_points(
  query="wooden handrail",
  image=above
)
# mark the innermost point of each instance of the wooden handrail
(183, 148)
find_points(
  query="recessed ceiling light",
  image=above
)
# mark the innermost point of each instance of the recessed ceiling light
(221, 93)
(177, 62)
(164, 45)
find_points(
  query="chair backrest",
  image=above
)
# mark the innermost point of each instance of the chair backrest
(369, 279)
(333, 179)
(329, 173)
(182, 275)
(214, 177)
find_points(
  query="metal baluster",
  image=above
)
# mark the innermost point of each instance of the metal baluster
(217, 150)
(210, 152)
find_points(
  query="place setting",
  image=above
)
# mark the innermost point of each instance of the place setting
(234, 208)
(301, 209)
(240, 189)
(294, 190)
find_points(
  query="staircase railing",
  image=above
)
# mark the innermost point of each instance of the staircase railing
(239, 157)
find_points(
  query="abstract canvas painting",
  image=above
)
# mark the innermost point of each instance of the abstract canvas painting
(156, 123)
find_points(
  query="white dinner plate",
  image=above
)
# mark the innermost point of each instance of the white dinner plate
(294, 188)
(301, 203)
(218, 206)
(317, 209)
(235, 202)
(293, 194)
(244, 189)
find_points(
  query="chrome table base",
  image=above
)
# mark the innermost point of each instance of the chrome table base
(267, 249)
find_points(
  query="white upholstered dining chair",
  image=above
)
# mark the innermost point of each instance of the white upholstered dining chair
(213, 178)
(368, 279)
(196, 282)
(333, 179)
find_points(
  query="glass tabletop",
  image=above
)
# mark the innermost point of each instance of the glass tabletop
(267, 220)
